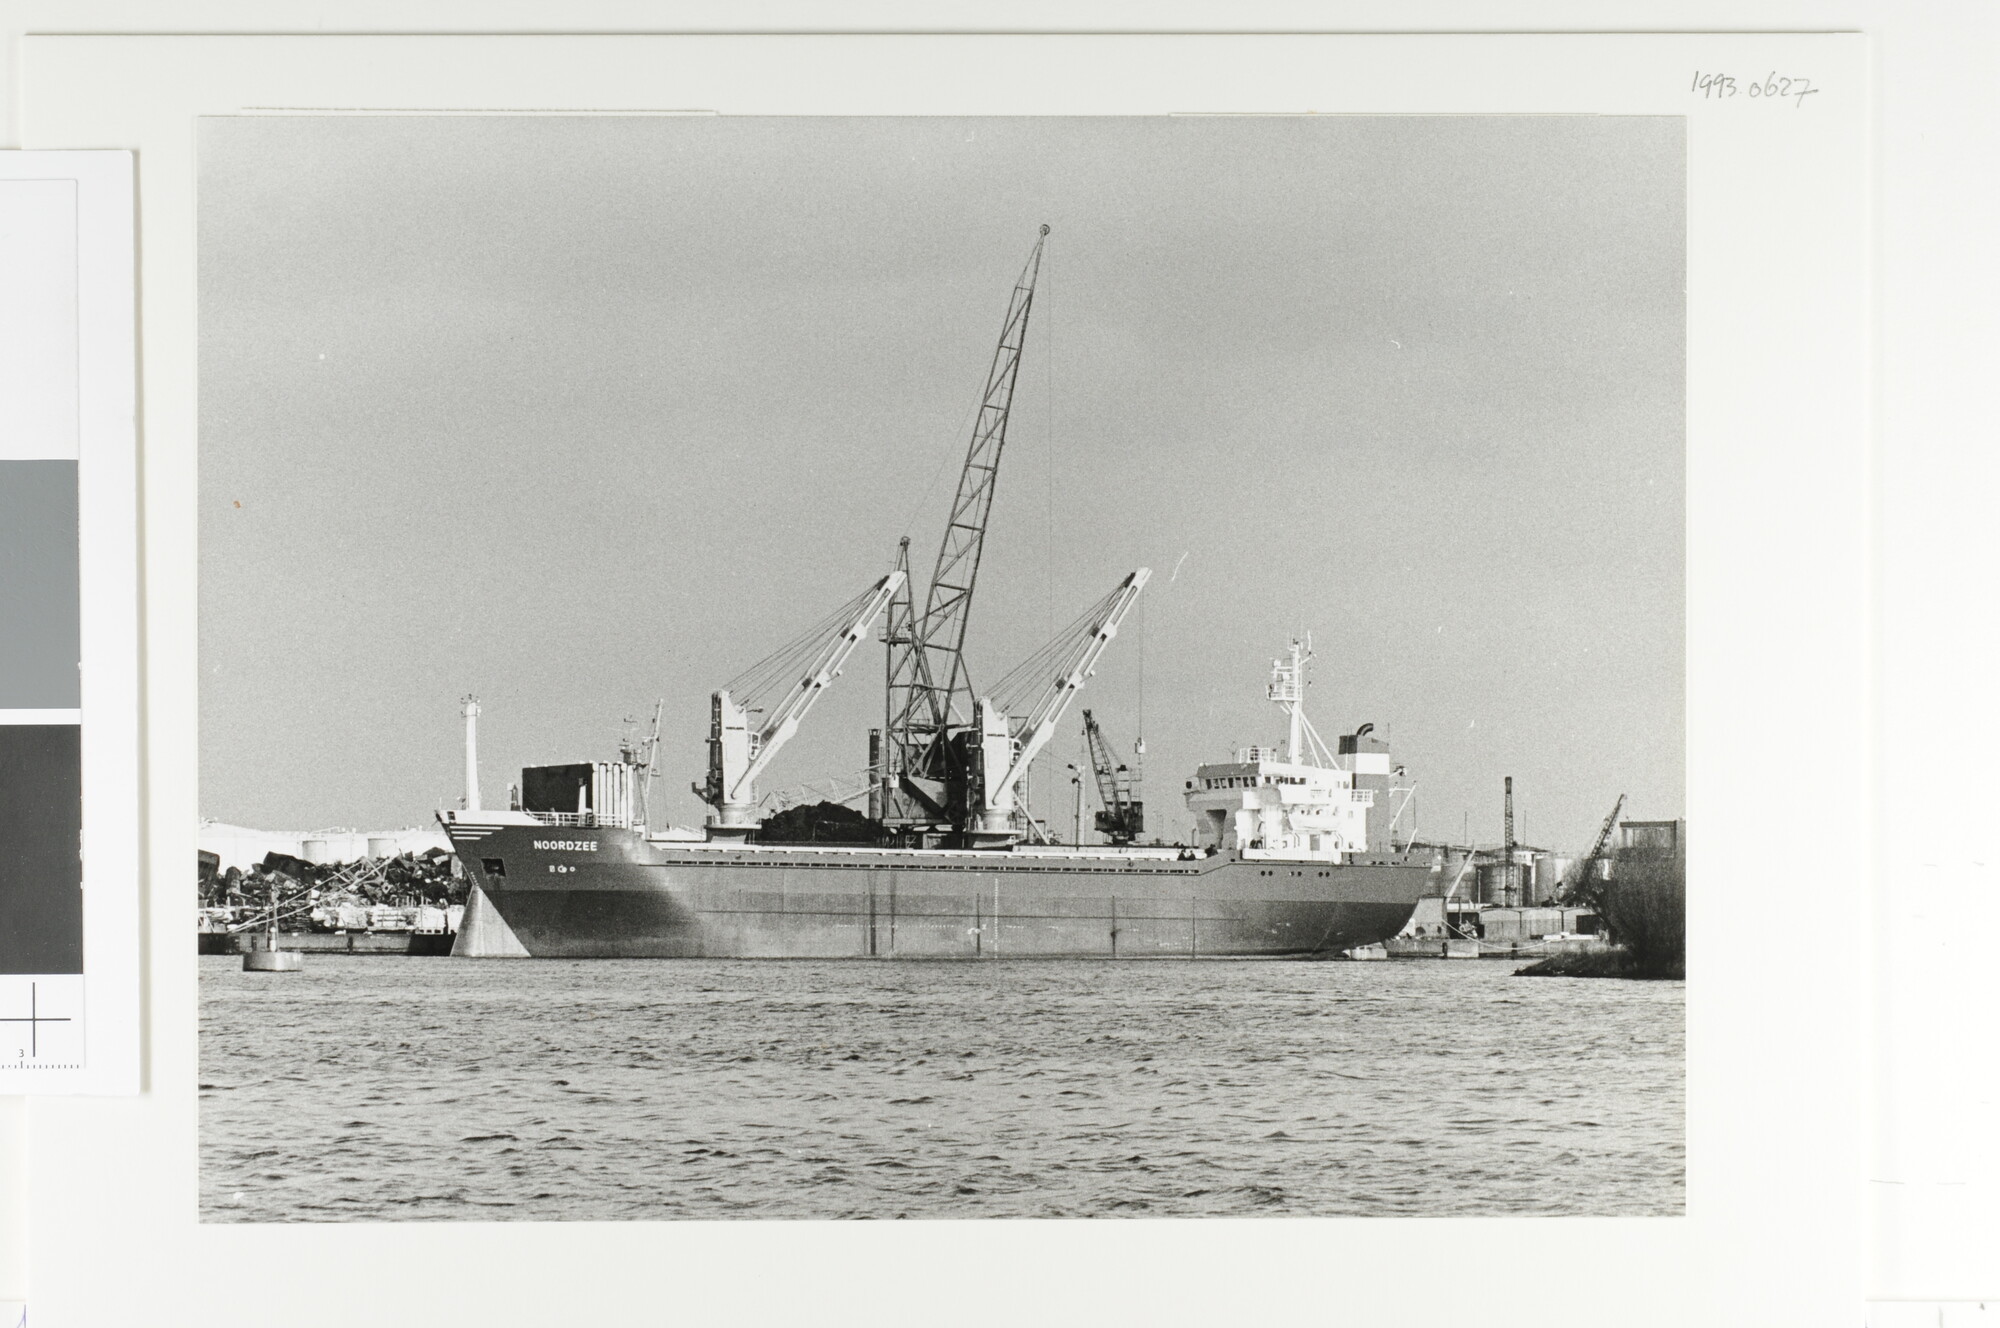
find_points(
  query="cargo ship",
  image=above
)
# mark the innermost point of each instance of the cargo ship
(1292, 850)
(1294, 855)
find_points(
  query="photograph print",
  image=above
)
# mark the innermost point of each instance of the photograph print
(816, 667)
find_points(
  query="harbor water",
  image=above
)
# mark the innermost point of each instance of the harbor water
(385, 1088)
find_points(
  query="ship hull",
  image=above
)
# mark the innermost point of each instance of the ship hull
(610, 893)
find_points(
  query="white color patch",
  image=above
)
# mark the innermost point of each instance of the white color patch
(38, 320)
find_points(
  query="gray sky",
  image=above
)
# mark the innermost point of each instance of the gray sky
(579, 413)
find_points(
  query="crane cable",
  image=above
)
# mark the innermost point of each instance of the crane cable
(782, 666)
(1028, 679)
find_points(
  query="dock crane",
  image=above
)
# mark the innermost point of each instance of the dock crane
(1006, 745)
(1123, 818)
(739, 745)
(1582, 886)
(1465, 869)
(922, 767)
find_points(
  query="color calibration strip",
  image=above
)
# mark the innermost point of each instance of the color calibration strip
(66, 512)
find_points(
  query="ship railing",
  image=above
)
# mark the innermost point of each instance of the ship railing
(581, 819)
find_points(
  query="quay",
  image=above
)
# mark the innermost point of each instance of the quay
(319, 942)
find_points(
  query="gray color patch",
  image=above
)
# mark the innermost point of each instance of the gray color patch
(39, 603)
(41, 830)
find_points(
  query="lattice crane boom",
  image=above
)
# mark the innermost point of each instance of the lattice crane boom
(929, 690)
(1583, 885)
(1121, 820)
(1101, 763)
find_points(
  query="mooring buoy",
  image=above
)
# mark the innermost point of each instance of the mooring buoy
(273, 961)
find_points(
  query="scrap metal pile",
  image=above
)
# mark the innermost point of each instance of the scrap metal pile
(369, 894)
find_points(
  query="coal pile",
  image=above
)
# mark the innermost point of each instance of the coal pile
(819, 823)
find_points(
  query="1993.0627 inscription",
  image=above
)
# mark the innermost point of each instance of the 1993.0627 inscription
(1719, 86)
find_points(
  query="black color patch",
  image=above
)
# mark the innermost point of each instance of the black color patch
(41, 835)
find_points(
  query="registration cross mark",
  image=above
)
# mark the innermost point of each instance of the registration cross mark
(34, 1019)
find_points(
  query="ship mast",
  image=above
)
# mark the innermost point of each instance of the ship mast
(1288, 689)
(923, 771)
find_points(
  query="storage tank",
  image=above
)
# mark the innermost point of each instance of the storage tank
(381, 846)
(314, 851)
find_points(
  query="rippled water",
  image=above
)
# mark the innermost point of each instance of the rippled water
(390, 1088)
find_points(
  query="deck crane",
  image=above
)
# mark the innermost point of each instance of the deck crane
(1582, 885)
(1123, 818)
(739, 745)
(923, 771)
(1005, 746)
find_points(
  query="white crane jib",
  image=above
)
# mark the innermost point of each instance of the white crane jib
(739, 752)
(1067, 662)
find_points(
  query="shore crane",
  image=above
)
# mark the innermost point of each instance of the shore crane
(921, 763)
(1582, 887)
(1123, 817)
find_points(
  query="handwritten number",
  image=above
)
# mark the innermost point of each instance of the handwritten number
(1717, 86)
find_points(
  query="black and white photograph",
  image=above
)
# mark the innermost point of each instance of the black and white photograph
(892, 667)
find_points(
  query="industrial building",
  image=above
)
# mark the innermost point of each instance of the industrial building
(243, 848)
(1652, 840)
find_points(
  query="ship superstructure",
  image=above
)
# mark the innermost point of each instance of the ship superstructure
(1302, 801)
